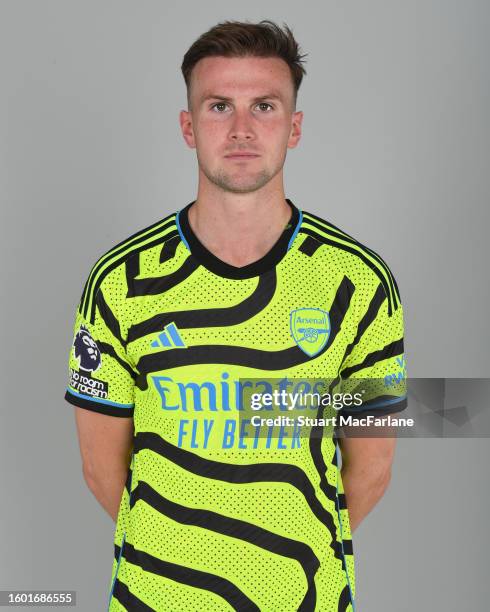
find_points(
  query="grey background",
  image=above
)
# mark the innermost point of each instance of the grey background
(395, 150)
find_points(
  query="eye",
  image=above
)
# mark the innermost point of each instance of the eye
(221, 104)
(262, 104)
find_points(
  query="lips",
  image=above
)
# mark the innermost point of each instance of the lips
(241, 155)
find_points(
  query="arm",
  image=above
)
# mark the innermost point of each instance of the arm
(374, 362)
(365, 473)
(105, 448)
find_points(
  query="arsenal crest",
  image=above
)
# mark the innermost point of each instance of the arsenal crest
(310, 329)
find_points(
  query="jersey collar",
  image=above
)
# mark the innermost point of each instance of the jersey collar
(222, 268)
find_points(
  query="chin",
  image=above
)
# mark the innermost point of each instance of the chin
(240, 184)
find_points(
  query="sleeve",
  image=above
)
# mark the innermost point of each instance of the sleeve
(374, 365)
(101, 377)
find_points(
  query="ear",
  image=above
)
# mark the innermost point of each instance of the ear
(295, 134)
(185, 120)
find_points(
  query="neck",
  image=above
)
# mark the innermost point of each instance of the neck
(239, 228)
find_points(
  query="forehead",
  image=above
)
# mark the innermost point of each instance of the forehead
(241, 76)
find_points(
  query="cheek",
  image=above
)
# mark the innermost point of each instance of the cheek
(275, 129)
(208, 127)
(275, 138)
(209, 135)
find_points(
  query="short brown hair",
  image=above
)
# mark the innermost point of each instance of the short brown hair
(243, 38)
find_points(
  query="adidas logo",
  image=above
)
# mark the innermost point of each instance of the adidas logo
(169, 338)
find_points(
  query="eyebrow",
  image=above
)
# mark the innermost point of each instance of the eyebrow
(269, 96)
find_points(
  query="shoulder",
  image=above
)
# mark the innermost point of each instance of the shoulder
(109, 268)
(356, 258)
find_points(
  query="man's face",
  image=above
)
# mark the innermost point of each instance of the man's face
(241, 106)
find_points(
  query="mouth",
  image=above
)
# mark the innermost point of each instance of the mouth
(241, 156)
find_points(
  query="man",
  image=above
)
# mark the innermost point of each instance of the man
(179, 320)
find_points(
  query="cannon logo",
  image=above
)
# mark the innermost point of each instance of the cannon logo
(310, 329)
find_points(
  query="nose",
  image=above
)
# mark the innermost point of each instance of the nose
(241, 126)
